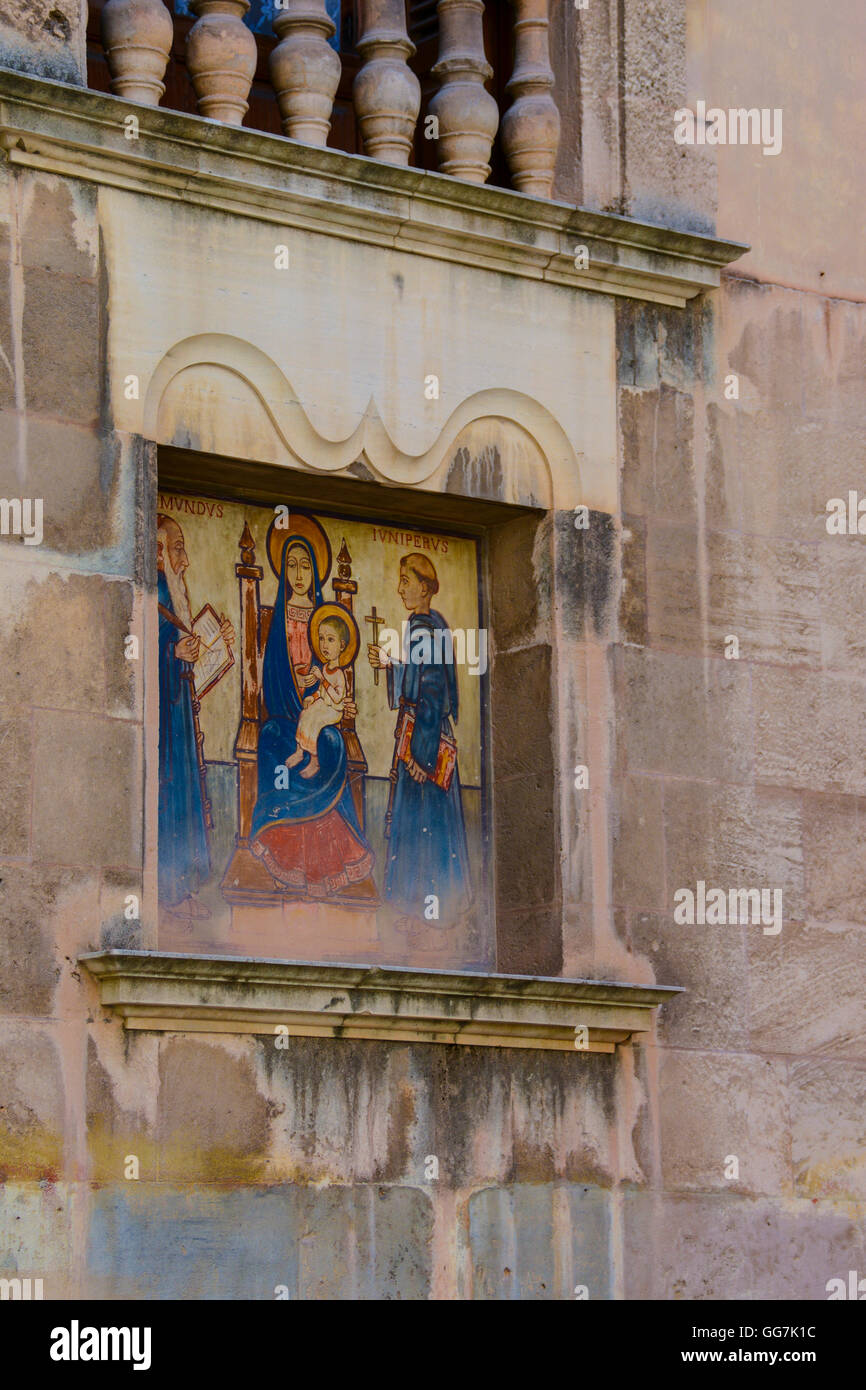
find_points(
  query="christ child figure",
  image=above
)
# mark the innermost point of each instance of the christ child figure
(326, 706)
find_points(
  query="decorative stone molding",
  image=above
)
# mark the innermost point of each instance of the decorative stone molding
(221, 57)
(163, 992)
(530, 126)
(386, 93)
(305, 70)
(468, 115)
(136, 36)
(73, 131)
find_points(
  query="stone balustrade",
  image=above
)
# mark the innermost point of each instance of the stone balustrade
(305, 72)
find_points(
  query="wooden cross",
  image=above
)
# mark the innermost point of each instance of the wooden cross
(376, 622)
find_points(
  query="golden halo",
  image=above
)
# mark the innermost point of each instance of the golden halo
(299, 524)
(335, 610)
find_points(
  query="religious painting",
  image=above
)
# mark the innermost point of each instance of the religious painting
(322, 695)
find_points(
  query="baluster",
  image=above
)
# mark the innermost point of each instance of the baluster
(467, 114)
(386, 93)
(530, 126)
(221, 58)
(136, 36)
(305, 70)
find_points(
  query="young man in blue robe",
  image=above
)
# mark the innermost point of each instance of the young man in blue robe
(427, 853)
(184, 859)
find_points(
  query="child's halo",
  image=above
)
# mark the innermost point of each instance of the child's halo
(335, 610)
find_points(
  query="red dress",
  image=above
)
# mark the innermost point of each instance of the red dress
(317, 857)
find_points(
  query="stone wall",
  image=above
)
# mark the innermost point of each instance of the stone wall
(47, 39)
(305, 1168)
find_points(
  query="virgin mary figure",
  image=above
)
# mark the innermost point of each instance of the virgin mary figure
(304, 828)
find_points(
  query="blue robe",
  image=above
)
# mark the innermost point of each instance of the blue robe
(184, 860)
(427, 851)
(305, 798)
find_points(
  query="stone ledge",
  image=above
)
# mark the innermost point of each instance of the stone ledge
(77, 132)
(162, 991)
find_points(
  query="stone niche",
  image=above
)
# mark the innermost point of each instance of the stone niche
(342, 854)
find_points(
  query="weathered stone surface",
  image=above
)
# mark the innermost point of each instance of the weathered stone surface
(8, 320)
(124, 677)
(685, 718)
(701, 478)
(36, 1234)
(117, 930)
(76, 471)
(633, 593)
(779, 472)
(748, 838)
(803, 730)
(842, 590)
(520, 593)
(15, 752)
(59, 226)
(32, 1091)
(213, 1120)
(661, 180)
(587, 574)
(155, 1241)
(149, 1240)
(561, 1113)
(710, 964)
(46, 40)
(525, 816)
(529, 941)
(539, 1242)
(715, 1105)
(791, 356)
(343, 1111)
(638, 844)
(61, 346)
(37, 909)
(806, 989)
(834, 857)
(661, 346)
(763, 592)
(751, 1248)
(828, 1128)
(658, 477)
(523, 699)
(115, 1132)
(81, 761)
(53, 633)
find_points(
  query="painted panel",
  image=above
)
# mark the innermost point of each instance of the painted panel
(322, 685)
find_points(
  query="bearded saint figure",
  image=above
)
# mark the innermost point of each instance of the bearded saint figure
(184, 858)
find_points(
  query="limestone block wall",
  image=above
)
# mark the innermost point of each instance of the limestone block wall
(47, 39)
(307, 1168)
(730, 771)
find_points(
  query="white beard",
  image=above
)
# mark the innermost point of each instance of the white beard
(178, 595)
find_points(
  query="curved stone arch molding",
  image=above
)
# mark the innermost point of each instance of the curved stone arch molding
(306, 447)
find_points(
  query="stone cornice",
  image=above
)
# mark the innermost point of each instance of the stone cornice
(74, 131)
(161, 991)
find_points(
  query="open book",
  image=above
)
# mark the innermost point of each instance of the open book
(215, 657)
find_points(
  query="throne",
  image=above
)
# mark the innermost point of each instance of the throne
(247, 880)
